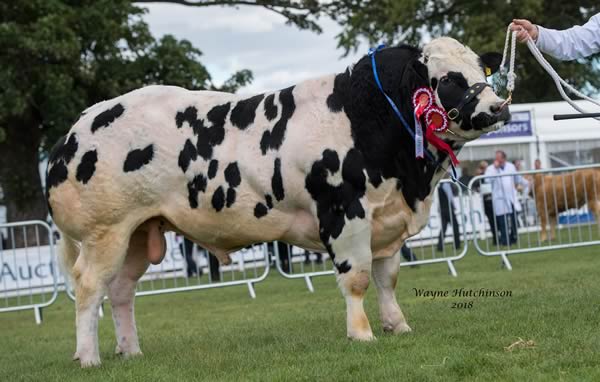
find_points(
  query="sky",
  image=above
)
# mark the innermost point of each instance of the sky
(254, 38)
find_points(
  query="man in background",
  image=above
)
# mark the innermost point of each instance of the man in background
(504, 197)
(448, 216)
(488, 208)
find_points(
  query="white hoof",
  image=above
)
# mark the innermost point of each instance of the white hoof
(89, 361)
(128, 353)
(363, 337)
(397, 329)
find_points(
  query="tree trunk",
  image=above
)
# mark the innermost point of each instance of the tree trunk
(21, 183)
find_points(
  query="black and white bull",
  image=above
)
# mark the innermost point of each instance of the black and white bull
(324, 165)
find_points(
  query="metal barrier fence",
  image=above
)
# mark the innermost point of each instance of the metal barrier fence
(427, 247)
(534, 211)
(186, 267)
(28, 273)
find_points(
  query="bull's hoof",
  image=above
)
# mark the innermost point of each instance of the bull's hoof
(128, 353)
(89, 362)
(362, 337)
(398, 329)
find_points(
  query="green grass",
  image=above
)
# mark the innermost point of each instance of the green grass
(288, 333)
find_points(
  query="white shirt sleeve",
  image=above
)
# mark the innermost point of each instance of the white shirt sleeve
(573, 43)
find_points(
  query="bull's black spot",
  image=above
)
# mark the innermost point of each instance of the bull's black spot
(232, 175)
(230, 197)
(209, 137)
(56, 175)
(218, 199)
(270, 107)
(343, 267)
(138, 158)
(335, 203)
(273, 139)
(60, 156)
(277, 181)
(451, 91)
(213, 166)
(187, 155)
(64, 149)
(196, 185)
(269, 200)
(260, 210)
(244, 112)
(334, 101)
(189, 115)
(107, 117)
(87, 166)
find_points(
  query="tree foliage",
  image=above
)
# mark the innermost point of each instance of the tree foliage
(58, 57)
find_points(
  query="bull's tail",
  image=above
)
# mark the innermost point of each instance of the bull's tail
(68, 252)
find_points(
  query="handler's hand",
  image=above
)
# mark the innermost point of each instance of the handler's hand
(522, 26)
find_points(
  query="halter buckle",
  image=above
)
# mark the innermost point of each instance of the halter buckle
(453, 114)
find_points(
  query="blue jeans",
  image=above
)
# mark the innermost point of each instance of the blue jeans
(507, 228)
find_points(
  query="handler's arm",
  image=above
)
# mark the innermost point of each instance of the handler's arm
(573, 43)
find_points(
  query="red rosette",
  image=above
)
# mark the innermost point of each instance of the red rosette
(422, 100)
(436, 119)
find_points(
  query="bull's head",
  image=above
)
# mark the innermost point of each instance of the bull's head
(458, 77)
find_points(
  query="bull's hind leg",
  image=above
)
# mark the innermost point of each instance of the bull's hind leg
(100, 259)
(385, 275)
(352, 259)
(121, 293)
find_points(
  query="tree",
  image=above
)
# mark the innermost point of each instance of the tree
(479, 24)
(58, 57)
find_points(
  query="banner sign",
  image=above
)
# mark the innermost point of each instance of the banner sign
(520, 125)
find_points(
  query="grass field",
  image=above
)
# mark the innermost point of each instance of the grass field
(288, 333)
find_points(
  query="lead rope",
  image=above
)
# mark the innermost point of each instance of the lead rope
(510, 76)
(560, 83)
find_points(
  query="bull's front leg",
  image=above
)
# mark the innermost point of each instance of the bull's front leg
(351, 253)
(385, 275)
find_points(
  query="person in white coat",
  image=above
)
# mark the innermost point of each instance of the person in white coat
(504, 198)
(570, 44)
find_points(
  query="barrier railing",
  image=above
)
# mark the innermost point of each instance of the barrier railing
(533, 211)
(185, 269)
(28, 271)
(424, 248)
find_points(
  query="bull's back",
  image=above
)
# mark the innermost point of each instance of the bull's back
(214, 165)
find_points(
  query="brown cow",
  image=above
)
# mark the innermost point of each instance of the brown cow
(554, 194)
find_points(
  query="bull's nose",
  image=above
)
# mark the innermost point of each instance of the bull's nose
(500, 110)
(504, 115)
(497, 107)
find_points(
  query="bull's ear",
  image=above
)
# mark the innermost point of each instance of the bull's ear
(491, 62)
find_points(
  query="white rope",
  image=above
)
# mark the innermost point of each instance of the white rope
(561, 84)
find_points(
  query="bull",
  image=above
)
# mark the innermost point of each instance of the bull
(323, 165)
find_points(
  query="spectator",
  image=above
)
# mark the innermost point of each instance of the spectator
(488, 208)
(186, 246)
(537, 165)
(466, 176)
(213, 265)
(284, 255)
(504, 198)
(318, 255)
(448, 215)
(408, 254)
